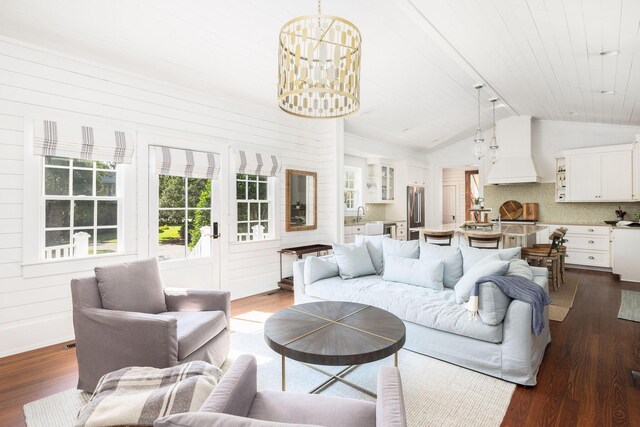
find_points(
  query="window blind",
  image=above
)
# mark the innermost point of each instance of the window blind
(77, 141)
(252, 163)
(189, 163)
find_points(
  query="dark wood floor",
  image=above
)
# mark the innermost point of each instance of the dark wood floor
(584, 379)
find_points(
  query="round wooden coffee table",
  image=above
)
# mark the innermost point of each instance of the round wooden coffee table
(334, 333)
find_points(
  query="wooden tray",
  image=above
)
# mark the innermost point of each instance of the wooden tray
(511, 209)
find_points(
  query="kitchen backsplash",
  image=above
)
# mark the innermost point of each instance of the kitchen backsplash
(374, 212)
(550, 211)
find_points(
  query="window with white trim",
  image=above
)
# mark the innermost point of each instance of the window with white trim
(352, 188)
(80, 208)
(254, 207)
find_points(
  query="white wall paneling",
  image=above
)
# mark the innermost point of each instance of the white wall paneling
(35, 308)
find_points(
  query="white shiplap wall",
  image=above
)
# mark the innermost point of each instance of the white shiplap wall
(36, 311)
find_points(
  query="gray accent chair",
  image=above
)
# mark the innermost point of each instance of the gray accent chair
(182, 325)
(235, 402)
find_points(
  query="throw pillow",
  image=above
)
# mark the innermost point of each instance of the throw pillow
(452, 258)
(489, 266)
(520, 267)
(133, 286)
(471, 256)
(416, 272)
(374, 246)
(316, 268)
(408, 249)
(492, 304)
(353, 260)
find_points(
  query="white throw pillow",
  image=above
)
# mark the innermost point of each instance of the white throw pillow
(520, 267)
(413, 271)
(489, 266)
(471, 256)
(452, 258)
(316, 268)
(408, 249)
(353, 260)
(374, 246)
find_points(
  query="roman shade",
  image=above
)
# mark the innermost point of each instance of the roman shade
(78, 141)
(252, 163)
(189, 163)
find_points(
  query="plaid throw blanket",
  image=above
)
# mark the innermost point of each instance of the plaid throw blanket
(519, 288)
(137, 396)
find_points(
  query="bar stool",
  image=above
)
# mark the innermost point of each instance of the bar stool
(562, 249)
(440, 238)
(486, 240)
(548, 257)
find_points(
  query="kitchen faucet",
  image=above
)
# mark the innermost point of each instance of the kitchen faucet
(358, 213)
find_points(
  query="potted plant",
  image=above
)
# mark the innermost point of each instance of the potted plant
(637, 216)
(620, 214)
(478, 202)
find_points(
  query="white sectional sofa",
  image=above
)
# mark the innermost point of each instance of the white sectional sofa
(500, 342)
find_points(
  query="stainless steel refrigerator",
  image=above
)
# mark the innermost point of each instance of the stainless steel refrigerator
(415, 210)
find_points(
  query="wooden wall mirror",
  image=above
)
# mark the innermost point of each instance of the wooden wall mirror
(302, 198)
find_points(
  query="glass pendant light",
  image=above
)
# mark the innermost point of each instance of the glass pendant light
(479, 147)
(494, 150)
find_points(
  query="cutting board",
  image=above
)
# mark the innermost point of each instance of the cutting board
(530, 211)
(511, 209)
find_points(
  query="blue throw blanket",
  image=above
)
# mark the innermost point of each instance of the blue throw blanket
(516, 287)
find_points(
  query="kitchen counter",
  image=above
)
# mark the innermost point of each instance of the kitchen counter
(514, 230)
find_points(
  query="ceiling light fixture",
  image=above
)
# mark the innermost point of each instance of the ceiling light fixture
(479, 147)
(494, 150)
(610, 53)
(319, 66)
(607, 92)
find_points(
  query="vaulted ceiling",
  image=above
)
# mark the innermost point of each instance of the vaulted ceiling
(420, 61)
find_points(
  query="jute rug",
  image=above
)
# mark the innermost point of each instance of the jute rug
(630, 306)
(562, 298)
(436, 393)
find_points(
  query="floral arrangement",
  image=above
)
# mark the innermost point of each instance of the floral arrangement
(620, 214)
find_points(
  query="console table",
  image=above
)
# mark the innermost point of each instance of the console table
(287, 282)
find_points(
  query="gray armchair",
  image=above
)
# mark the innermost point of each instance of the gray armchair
(123, 317)
(235, 402)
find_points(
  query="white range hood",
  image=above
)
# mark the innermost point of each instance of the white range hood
(515, 165)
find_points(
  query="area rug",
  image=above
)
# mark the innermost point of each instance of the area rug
(630, 306)
(436, 393)
(563, 297)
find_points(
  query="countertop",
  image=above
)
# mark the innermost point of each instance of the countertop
(386, 221)
(516, 230)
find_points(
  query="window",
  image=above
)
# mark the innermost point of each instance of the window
(184, 217)
(81, 208)
(254, 200)
(352, 188)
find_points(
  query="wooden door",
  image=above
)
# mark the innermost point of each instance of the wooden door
(449, 214)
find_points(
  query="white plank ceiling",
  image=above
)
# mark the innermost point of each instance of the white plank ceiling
(421, 58)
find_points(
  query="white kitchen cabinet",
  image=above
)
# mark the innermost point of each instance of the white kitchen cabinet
(588, 246)
(600, 174)
(625, 253)
(416, 175)
(381, 183)
(351, 231)
(616, 171)
(636, 169)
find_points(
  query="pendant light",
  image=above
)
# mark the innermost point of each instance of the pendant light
(319, 66)
(479, 147)
(494, 150)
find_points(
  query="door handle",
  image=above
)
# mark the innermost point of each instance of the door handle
(215, 231)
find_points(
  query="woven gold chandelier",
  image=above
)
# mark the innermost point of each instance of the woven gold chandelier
(319, 66)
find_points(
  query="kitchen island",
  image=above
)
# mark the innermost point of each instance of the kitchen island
(513, 234)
